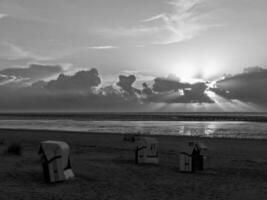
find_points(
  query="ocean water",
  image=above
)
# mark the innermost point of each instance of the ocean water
(229, 129)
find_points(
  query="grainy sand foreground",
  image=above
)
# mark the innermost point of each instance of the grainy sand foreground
(104, 168)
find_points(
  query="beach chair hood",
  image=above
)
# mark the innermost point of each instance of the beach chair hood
(55, 160)
(55, 149)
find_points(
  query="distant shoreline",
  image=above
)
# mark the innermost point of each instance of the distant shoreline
(139, 116)
(73, 132)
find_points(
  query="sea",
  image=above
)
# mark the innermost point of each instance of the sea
(202, 125)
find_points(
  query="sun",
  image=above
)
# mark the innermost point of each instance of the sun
(211, 68)
(186, 71)
(195, 72)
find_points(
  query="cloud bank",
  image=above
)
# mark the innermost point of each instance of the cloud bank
(80, 81)
(83, 91)
(250, 86)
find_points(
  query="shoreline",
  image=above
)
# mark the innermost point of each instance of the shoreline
(42, 131)
(137, 116)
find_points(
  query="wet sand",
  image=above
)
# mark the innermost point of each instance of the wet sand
(105, 169)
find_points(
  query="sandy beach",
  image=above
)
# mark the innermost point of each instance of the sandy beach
(105, 169)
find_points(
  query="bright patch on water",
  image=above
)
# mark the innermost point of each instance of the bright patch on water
(204, 129)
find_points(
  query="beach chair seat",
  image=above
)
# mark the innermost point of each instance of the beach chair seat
(185, 162)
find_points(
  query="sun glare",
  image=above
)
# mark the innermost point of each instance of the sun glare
(192, 72)
(186, 71)
(210, 69)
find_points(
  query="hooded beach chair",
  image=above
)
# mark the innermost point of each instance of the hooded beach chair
(147, 151)
(55, 158)
(191, 158)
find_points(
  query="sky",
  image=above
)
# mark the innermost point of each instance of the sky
(157, 36)
(189, 39)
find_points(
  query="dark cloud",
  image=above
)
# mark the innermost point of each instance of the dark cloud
(38, 98)
(196, 93)
(126, 82)
(171, 90)
(255, 69)
(166, 84)
(39, 84)
(81, 81)
(80, 92)
(34, 72)
(250, 86)
(147, 91)
(61, 94)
